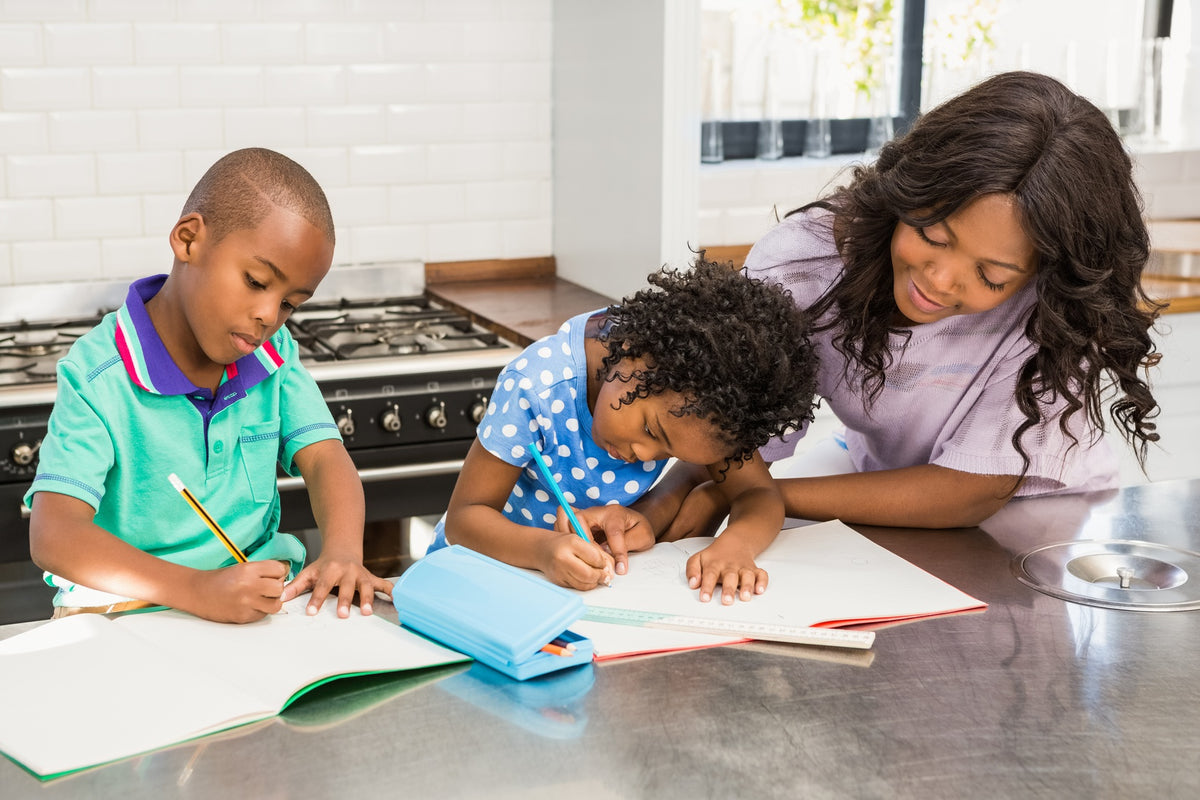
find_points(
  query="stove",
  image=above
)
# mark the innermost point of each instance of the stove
(405, 379)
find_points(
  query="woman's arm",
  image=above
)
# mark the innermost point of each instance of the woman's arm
(474, 519)
(924, 496)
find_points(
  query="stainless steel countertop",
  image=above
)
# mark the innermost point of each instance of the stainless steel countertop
(1035, 697)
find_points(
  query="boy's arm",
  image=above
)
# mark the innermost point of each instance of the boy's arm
(64, 540)
(473, 519)
(755, 517)
(336, 494)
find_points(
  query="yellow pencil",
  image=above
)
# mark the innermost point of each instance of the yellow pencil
(208, 520)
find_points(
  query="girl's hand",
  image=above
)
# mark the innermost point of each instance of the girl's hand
(702, 512)
(342, 572)
(619, 528)
(730, 563)
(239, 593)
(569, 561)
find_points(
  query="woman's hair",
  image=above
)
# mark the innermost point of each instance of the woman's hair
(735, 348)
(242, 187)
(1057, 156)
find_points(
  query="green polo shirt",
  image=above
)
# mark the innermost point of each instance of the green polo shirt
(126, 417)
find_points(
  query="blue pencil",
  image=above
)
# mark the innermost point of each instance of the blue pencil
(544, 468)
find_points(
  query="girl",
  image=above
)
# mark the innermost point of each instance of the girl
(976, 300)
(704, 368)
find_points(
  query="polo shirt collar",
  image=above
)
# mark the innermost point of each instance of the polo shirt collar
(151, 367)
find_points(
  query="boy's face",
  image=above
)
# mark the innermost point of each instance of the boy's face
(237, 292)
(648, 430)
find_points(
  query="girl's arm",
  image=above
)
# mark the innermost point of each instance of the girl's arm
(756, 513)
(336, 494)
(474, 519)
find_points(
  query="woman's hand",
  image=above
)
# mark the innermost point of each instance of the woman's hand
(729, 562)
(702, 512)
(619, 528)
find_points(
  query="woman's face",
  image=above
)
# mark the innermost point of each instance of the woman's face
(973, 261)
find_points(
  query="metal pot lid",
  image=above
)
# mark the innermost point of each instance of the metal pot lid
(1114, 573)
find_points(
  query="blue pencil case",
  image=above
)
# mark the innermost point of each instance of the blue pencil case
(495, 613)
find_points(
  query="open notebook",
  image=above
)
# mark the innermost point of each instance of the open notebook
(824, 575)
(154, 679)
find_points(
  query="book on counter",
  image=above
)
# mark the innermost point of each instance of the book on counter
(90, 689)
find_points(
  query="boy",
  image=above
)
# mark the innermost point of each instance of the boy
(196, 375)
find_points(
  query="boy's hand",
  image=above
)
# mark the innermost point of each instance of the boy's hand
(569, 561)
(239, 593)
(346, 574)
(730, 563)
(621, 529)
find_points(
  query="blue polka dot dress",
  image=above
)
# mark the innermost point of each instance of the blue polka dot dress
(541, 397)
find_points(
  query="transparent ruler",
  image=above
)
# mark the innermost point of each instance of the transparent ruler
(795, 634)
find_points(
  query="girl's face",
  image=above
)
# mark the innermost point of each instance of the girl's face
(647, 430)
(973, 261)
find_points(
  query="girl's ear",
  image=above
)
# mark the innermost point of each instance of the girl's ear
(184, 235)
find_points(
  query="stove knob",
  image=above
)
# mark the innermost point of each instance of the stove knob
(345, 422)
(477, 410)
(391, 419)
(22, 455)
(435, 416)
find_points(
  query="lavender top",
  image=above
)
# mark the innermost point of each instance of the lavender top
(949, 395)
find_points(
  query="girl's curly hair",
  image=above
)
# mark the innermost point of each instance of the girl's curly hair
(735, 348)
(1030, 137)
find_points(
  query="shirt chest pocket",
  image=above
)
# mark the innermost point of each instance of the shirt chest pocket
(259, 445)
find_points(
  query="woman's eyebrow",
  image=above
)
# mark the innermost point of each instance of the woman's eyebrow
(1005, 264)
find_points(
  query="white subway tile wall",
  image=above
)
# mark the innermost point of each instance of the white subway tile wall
(427, 122)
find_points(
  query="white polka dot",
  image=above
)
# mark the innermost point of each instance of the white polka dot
(548, 519)
(508, 384)
(504, 409)
(487, 431)
(496, 454)
(632, 486)
(544, 394)
(568, 373)
(557, 406)
(517, 451)
(525, 383)
(564, 451)
(613, 502)
(547, 377)
(608, 476)
(509, 430)
(592, 462)
(542, 495)
(577, 473)
(521, 363)
(491, 408)
(549, 461)
(518, 491)
(572, 424)
(558, 477)
(533, 425)
(566, 327)
(508, 508)
(523, 402)
(543, 421)
(545, 352)
(649, 466)
(566, 348)
(527, 514)
(593, 492)
(570, 497)
(574, 394)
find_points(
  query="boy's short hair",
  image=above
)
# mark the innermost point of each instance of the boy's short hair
(240, 189)
(735, 347)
